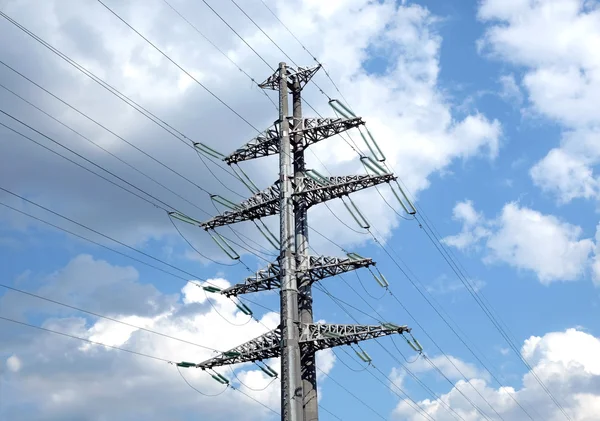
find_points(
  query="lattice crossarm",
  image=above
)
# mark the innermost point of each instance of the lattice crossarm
(315, 192)
(321, 267)
(316, 129)
(266, 143)
(302, 75)
(317, 336)
(257, 349)
(263, 280)
(263, 203)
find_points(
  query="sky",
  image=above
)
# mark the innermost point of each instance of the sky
(484, 111)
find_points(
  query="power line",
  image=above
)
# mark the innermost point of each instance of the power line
(219, 50)
(373, 410)
(84, 339)
(178, 66)
(112, 319)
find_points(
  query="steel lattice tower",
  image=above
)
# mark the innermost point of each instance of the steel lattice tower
(297, 339)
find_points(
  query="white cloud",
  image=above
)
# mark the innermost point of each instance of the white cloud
(596, 261)
(13, 363)
(556, 42)
(473, 226)
(511, 91)
(527, 239)
(565, 361)
(452, 367)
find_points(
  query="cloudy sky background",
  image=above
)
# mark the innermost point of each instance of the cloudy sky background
(485, 110)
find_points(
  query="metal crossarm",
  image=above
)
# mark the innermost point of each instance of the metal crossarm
(316, 129)
(314, 192)
(313, 337)
(313, 129)
(321, 267)
(257, 349)
(301, 76)
(263, 280)
(265, 144)
(263, 203)
(266, 202)
(317, 336)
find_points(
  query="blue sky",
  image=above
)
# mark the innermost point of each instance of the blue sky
(484, 110)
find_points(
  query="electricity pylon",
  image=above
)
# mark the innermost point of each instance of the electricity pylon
(297, 338)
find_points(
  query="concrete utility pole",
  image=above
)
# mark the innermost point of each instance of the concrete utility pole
(297, 338)
(291, 391)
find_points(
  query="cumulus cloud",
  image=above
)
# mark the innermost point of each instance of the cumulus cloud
(564, 361)
(555, 41)
(62, 378)
(526, 239)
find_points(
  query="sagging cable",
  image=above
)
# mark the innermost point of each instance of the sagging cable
(222, 201)
(358, 216)
(184, 218)
(412, 209)
(373, 146)
(341, 108)
(247, 181)
(268, 234)
(207, 150)
(372, 165)
(317, 177)
(224, 245)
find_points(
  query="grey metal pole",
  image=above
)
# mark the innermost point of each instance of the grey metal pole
(309, 372)
(291, 383)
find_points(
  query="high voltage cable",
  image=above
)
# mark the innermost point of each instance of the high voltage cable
(141, 354)
(99, 146)
(306, 49)
(102, 168)
(178, 66)
(121, 349)
(127, 100)
(425, 387)
(220, 51)
(353, 395)
(105, 128)
(451, 362)
(112, 319)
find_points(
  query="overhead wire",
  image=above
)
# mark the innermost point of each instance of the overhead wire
(202, 393)
(373, 410)
(215, 96)
(220, 51)
(68, 335)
